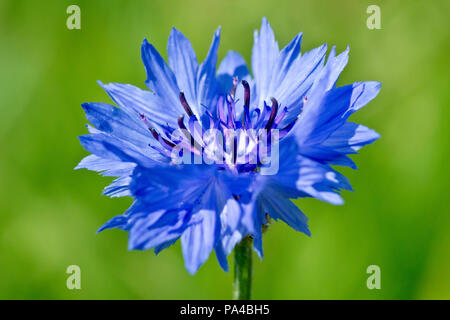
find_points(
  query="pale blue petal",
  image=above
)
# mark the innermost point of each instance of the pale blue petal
(105, 146)
(337, 65)
(107, 167)
(299, 80)
(287, 57)
(160, 79)
(119, 188)
(350, 137)
(136, 101)
(117, 123)
(183, 62)
(264, 58)
(326, 111)
(207, 86)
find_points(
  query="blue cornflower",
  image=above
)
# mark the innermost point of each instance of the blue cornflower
(215, 205)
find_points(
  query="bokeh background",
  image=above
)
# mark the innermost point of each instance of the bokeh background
(397, 218)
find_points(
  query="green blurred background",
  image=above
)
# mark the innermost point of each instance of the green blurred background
(397, 218)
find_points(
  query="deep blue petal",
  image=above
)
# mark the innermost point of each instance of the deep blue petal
(284, 209)
(199, 240)
(221, 256)
(157, 229)
(116, 222)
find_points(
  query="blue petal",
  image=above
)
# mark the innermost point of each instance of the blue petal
(233, 65)
(158, 228)
(337, 64)
(327, 155)
(321, 181)
(264, 57)
(201, 190)
(350, 137)
(137, 101)
(281, 208)
(199, 240)
(218, 213)
(326, 111)
(108, 147)
(119, 188)
(285, 60)
(347, 139)
(107, 167)
(169, 186)
(299, 176)
(207, 86)
(221, 256)
(126, 221)
(160, 79)
(234, 228)
(253, 219)
(183, 62)
(165, 245)
(298, 81)
(117, 123)
(116, 222)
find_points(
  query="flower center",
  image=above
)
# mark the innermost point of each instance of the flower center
(229, 142)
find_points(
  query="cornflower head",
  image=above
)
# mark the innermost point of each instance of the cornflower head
(211, 156)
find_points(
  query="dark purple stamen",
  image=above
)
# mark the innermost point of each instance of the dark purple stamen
(163, 141)
(234, 149)
(246, 102)
(155, 134)
(185, 105)
(273, 113)
(246, 93)
(181, 122)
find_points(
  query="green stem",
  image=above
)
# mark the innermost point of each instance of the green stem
(242, 285)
